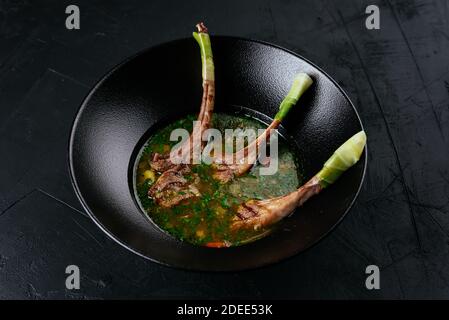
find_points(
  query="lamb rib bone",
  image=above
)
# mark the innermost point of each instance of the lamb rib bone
(229, 166)
(172, 187)
(192, 147)
(262, 213)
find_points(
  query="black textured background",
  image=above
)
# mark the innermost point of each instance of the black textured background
(397, 76)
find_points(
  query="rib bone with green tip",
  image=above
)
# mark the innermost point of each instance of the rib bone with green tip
(194, 145)
(228, 167)
(172, 187)
(262, 213)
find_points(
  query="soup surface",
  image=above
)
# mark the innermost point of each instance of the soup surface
(206, 220)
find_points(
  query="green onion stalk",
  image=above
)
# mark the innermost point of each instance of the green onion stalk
(343, 158)
(300, 84)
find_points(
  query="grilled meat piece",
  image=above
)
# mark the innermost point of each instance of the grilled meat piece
(173, 186)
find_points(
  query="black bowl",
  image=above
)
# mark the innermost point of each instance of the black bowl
(164, 83)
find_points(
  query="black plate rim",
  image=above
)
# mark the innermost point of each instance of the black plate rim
(167, 264)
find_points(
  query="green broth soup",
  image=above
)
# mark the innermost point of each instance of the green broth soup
(206, 219)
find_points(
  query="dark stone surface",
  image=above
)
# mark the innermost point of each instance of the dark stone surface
(397, 76)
